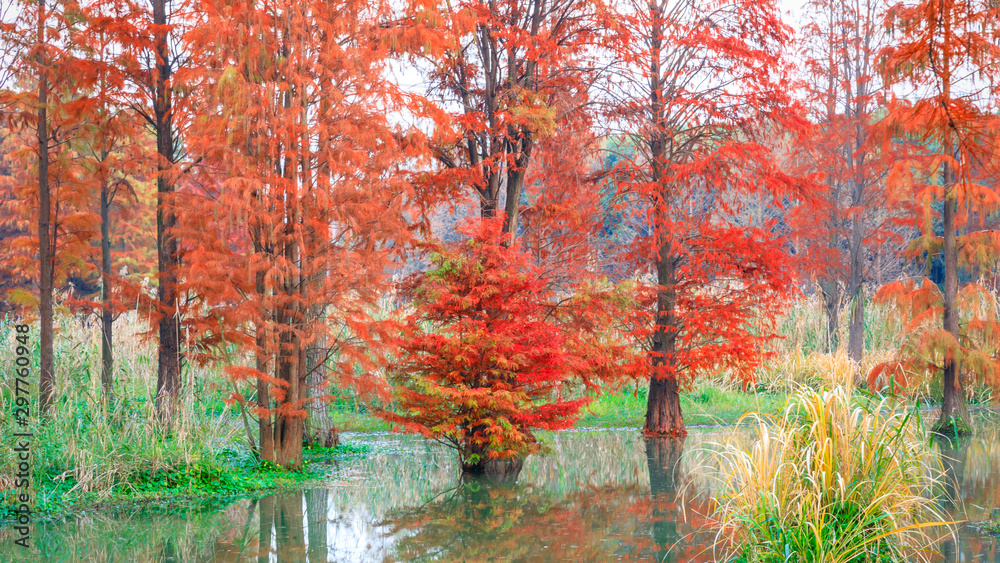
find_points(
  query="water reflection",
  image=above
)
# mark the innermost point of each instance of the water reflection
(969, 491)
(678, 510)
(598, 496)
(481, 520)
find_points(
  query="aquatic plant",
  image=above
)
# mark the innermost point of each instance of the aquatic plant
(832, 480)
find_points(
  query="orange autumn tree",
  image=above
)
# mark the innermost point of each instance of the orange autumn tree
(43, 113)
(298, 211)
(113, 151)
(692, 100)
(484, 362)
(147, 48)
(947, 54)
(562, 208)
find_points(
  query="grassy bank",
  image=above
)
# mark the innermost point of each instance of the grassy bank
(227, 475)
(706, 405)
(703, 406)
(92, 454)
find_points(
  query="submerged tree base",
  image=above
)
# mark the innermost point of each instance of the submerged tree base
(501, 470)
(663, 410)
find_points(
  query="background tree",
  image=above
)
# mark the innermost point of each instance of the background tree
(113, 152)
(948, 53)
(39, 96)
(154, 55)
(506, 74)
(690, 99)
(841, 45)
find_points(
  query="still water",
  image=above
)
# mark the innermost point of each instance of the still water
(598, 495)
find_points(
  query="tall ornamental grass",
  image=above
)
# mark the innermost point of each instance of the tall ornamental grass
(832, 480)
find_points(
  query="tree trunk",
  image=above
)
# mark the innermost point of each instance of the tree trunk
(319, 426)
(856, 330)
(478, 465)
(831, 305)
(46, 260)
(954, 418)
(663, 409)
(265, 431)
(288, 427)
(515, 183)
(663, 403)
(487, 207)
(494, 471)
(168, 357)
(107, 318)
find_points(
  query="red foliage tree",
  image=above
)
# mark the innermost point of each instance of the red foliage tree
(503, 76)
(692, 99)
(483, 361)
(113, 152)
(853, 223)
(947, 50)
(46, 179)
(151, 54)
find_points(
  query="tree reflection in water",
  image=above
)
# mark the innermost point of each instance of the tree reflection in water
(970, 490)
(481, 520)
(681, 529)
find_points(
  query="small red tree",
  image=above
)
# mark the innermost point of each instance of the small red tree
(484, 360)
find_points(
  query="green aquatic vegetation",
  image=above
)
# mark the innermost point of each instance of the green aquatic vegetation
(229, 474)
(831, 480)
(990, 527)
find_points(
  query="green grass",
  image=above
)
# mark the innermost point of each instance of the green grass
(90, 454)
(990, 526)
(351, 417)
(705, 405)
